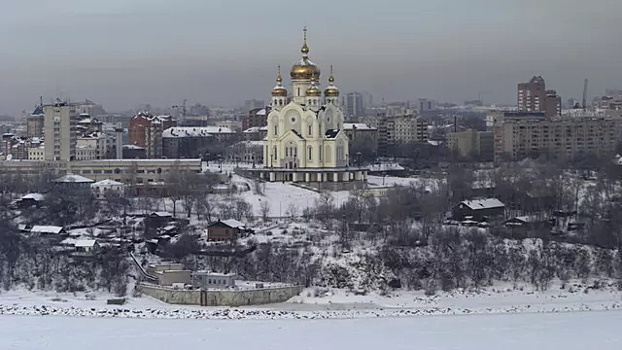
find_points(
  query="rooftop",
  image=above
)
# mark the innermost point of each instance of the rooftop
(486, 203)
(72, 178)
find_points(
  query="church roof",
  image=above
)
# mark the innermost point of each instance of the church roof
(331, 133)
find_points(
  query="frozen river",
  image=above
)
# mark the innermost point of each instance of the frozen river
(570, 330)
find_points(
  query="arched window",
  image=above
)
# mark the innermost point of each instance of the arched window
(276, 130)
(310, 130)
(310, 153)
(274, 152)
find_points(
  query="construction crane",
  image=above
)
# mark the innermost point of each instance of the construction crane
(584, 105)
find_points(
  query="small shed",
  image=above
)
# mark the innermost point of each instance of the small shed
(479, 209)
(86, 245)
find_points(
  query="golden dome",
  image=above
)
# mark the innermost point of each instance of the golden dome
(305, 69)
(279, 90)
(331, 90)
(313, 89)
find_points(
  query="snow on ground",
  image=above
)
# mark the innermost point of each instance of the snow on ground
(568, 331)
(330, 303)
(281, 196)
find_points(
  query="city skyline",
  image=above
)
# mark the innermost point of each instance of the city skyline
(159, 52)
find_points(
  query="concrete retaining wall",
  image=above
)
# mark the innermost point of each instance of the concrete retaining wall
(220, 297)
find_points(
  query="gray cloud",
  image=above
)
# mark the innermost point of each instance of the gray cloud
(124, 53)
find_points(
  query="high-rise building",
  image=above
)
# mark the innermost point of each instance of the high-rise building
(60, 120)
(533, 97)
(354, 105)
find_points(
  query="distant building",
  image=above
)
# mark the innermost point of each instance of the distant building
(34, 123)
(424, 105)
(521, 135)
(60, 131)
(255, 133)
(249, 105)
(256, 118)
(397, 130)
(95, 145)
(187, 141)
(361, 133)
(354, 107)
(472, 144)
(533, 97)
(146, 131)
(246, 152)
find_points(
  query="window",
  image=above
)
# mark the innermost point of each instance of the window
(276, 130)
(310, 127)
(320, 153)
(310, 153)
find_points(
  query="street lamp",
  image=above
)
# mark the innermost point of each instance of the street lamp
(358, 158)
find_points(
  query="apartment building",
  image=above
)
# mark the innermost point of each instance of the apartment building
(146, 131)
(60, 121)
(533, 97)
(400, 129)
(520, 135)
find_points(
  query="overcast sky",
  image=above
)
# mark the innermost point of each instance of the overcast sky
(123, 53)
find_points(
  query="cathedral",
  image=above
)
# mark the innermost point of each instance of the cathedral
(306, 141)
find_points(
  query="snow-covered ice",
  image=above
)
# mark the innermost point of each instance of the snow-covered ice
(568, 331)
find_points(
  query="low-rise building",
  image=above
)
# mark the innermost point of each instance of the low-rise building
(479, 209)
(209, 280)
(246, 152)
(101, 189)
(225, 230)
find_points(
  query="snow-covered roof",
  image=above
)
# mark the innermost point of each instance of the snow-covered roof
(85, 243)
(186, 131)
(132, 147)
(254, 129)
(261, 111)
(107, 182)
(34, 196)
(46, 229)
(357, 126)
(195, 131)
(233, 223)
(487, 203)
(72, 178)
(162, 214)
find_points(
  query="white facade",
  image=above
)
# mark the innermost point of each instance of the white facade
(306, 140)
(59, 126)
(101, 188)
